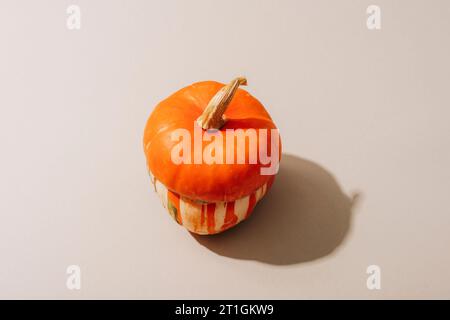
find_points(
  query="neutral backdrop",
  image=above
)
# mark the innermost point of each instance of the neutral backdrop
(363, 114)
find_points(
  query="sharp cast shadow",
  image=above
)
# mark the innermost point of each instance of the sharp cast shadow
(304, 217)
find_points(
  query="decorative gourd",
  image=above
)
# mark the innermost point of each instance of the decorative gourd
(208, 198)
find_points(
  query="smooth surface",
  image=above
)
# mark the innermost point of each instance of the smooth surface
(364, 121)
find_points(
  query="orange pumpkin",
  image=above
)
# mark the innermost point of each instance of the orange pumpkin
(207, 197)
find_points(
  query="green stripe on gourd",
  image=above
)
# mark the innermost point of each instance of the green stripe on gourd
(172, 210)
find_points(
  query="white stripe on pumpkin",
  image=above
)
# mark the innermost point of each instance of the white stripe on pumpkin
(152, 178)
(258, 194)
(241, 207)
(162, 192)
(185, 216)
(204, 225)
(219, 215)
(190, 216)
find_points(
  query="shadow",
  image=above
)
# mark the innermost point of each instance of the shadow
(305, 216)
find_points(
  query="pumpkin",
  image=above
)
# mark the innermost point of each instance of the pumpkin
(210, 197)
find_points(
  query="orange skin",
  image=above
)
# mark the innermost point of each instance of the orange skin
(206, 182)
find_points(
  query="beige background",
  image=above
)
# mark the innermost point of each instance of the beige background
(363, 116)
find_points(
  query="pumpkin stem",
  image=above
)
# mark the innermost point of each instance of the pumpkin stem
(212, 116)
